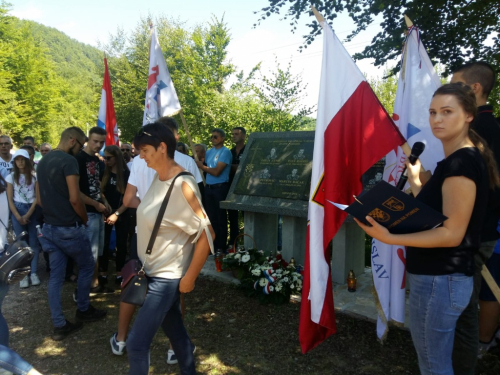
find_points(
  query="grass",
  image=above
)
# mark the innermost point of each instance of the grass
(233, 335)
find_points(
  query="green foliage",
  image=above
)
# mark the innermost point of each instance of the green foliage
(385, 89)
(47, 82)
(281, 94)
(452, 31)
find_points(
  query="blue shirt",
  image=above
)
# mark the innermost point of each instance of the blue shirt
(3, 171)
(212, 157)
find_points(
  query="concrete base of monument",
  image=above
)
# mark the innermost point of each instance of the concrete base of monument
(360, 303)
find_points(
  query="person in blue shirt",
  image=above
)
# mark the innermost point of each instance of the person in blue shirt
(218, 165)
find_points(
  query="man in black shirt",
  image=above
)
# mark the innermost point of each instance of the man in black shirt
(238, 137)
(95, 202)
(480, 76)
(64, 235)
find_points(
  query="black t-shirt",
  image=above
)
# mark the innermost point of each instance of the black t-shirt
(236, 160)
(469, 163)
(90, 167)
(51, 173)
(113, 196)
(488, 128)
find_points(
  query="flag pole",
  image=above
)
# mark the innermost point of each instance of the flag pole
(190, 140)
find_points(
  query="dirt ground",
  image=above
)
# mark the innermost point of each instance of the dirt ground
(233, 335)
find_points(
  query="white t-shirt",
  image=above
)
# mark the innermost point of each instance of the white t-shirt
(180, 228)
(22, 193)
(141, 176)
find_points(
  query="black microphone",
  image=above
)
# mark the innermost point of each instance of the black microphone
(416, 151)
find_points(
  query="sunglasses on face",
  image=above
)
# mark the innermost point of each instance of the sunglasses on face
(5, 144)
(108, 158)
(214, 137)
(125, 150)
(80, 143)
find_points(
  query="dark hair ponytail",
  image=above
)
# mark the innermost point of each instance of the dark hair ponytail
(488, 157)
(467, 100)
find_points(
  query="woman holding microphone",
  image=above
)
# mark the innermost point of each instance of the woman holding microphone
(440, 261)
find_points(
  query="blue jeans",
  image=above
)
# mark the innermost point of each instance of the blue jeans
(22, 209)
(95, 233)
(9, 360)
(62, 243)
(161, 308)
(436, 303)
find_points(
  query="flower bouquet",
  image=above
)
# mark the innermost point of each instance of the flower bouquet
(268, 277)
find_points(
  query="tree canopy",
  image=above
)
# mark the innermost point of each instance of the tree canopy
(453, 31)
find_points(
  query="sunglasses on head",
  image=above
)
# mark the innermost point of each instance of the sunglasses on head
(108, 158)
(142, 132)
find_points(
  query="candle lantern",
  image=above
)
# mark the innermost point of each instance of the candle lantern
(351, 281)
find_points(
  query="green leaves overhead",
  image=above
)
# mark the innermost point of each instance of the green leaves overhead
(453, 31)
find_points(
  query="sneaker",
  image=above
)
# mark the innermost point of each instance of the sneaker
(172, 359)
(100, 289)
(35, 280)
(60, 333)
(117, 347)
(103, 279)
(24, 283)
(486, 346)
(91, 315)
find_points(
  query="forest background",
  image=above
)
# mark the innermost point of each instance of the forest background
(49, 81)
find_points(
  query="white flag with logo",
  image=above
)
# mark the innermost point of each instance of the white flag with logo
(417, 83)
(161, 98)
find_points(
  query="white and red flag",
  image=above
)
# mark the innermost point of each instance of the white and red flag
(353, 131)
(107, 118)
(416, 85)
(161, 98)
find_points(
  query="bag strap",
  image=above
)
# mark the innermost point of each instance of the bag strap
(161, 213)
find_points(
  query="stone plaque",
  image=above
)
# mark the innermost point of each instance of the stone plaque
(277, 168)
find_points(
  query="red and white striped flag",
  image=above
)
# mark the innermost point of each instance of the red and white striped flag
(107, 118)
(353, 131)
(161, 98)
(416, 85)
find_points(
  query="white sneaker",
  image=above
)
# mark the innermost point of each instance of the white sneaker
(35, 280)
(117, 347)
(24, 283)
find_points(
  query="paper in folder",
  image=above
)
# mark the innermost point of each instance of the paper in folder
(398, 212)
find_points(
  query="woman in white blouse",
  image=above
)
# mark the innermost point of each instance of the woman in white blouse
(181, 248)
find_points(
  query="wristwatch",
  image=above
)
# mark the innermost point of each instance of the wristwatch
(117, 213)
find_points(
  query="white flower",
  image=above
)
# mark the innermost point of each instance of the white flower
(292, 286)
(299, 282)
(245, 258)
(263, 281)
(278, 287)
(256, 272)
(294, 278)
(285, 279)
(286, 272)
(279, 276)
(237, 256)
(271, 288)
(279, 270)
(299, 288)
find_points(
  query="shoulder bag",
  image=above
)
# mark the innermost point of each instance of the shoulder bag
(15, 260)
(134, 282)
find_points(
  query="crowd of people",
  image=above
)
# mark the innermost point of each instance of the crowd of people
(72, 198)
